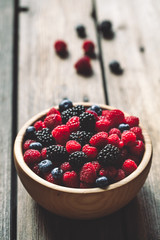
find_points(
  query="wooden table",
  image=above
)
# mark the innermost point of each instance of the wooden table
(33, 77)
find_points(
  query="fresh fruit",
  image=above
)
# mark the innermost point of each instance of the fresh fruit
(102, 182)
(36, 146)
(99, 140)
(30, 132)
(61, 134)
(90, 151)
(81, 136)
(32, 156)
(56, 153)
(77, 159)
(128, 138)
(81, 31)
(57, 173)
(45, 166)
(73, 146)
(87, 122)
(109, 155)
(115, 67)
(96, 109)
(88, 173)
(83, 66)
(65, 104)
(52, 121)
(70, 179)
(123, 126)
(44, 136)
(60, 47)
(88, 47)
(129, 166)
(132, 121)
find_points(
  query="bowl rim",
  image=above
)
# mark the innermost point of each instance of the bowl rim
(18, 157)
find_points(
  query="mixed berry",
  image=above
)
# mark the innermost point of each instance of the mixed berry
(82, 147)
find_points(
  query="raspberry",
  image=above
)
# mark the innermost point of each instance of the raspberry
(73, 124)
(99, 140)
(32, 156)
(39, 125)
(102, 125)
(52, 121)
(44, 153)
(27, 144)
(81, 136)
(88, 47)
(105, 113)
(129, 166)
(61, 134)
(77, 159)
(114, 140)
(115, 131)
(96, 165)
(137, 149)
(36, 170)
(109, 172)
(120, 175)
(92, 112)
(132, 121)
(109, 155)
(60, 47)
(44, 136)
(57, 154)
(138, 132)
(53, 111)
(66, 167)
(128, 138)
(70, 179)
(83, 66)
(135, 158)
(88, 173)
(90, 151)
(115, 117)
(48, 177)
(73, 146)
(87, 122)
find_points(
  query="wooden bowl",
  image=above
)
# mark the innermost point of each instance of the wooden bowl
(80, 203)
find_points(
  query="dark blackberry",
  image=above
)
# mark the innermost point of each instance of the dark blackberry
(57, 154)
(87, 121)
(109, 155)
(77, 159)
(82, 137)
(44, 136)
(67, 114)
(79, 109)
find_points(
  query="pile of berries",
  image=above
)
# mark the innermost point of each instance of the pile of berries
(82, 147)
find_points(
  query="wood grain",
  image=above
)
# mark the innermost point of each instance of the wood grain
(137, 91)
(6, 37)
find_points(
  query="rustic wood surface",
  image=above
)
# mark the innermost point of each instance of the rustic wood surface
(44, 79)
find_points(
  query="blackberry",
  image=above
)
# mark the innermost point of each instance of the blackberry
(57, 154)
(77, 159)
(87, 121)
(79, 109)
(44, 136)
(82, 137)
(67, 114)
(109, 155)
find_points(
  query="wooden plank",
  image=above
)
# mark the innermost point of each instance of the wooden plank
(6, 41)
(44, 79)
(137, 92)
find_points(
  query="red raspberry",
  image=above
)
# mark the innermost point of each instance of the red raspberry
(61, 134)
(73, 124)
(132, 121)
(88, 173)
(60, 47)
(32, 156)
(116, 117)
(48, 177)
(27, 144)
(103, 125)
(94, 113)
(128, 138)
(115, 131)
(135, 158)
(129, 166)
(88, 47)
(53, 111)
(85, 185)
(70, 179)
(52, 121)
(120, 175)
(83, 66)
(114, 140)
(36, 170)
(44, 153)
(137, 149)
(39, 125)
(121, 144)
(73, 146)
(105, 113)
(109, 172)
(66, 167)
(99, 140)
(90, 151)
(138, 132)
(96, 165)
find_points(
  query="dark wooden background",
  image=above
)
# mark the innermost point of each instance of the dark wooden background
(33, 78)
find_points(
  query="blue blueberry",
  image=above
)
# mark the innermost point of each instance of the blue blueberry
(81, 31)
(36, 146)
(65, 104)
(115, 67)
(45, 166)
(96, 109)
(123, 126)
(57, 173)
(102, 182)
(30, 132)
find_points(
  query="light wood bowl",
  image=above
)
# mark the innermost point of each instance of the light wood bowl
(80, 203)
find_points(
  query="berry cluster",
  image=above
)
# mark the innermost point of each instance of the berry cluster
(84, 147)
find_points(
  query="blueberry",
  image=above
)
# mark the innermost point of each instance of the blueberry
(123, 126)
(105, 26)
(36, 146)
(30, 132)
(102, 182)
(96, 109)
(115, 67)
(65, 104)
(45, 166)
(57, 173)
(81, 31)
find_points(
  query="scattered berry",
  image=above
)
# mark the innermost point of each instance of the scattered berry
(88, 173)
(123, 126)
(65, 104)
(73, 146)
(32, 156)
(81, 31)
(57, 173)
(88, 47)
(52, 121)
(109, 155)
(115, 67)
(36, 146)
(90, 151)
(77, 159)
(70, 179)
(83, 66)
(45, 166)
(102, 182)
(132, 121)
(60, 48)
(61, 134)
(106, 29)
(99, 140)
(129, 166)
